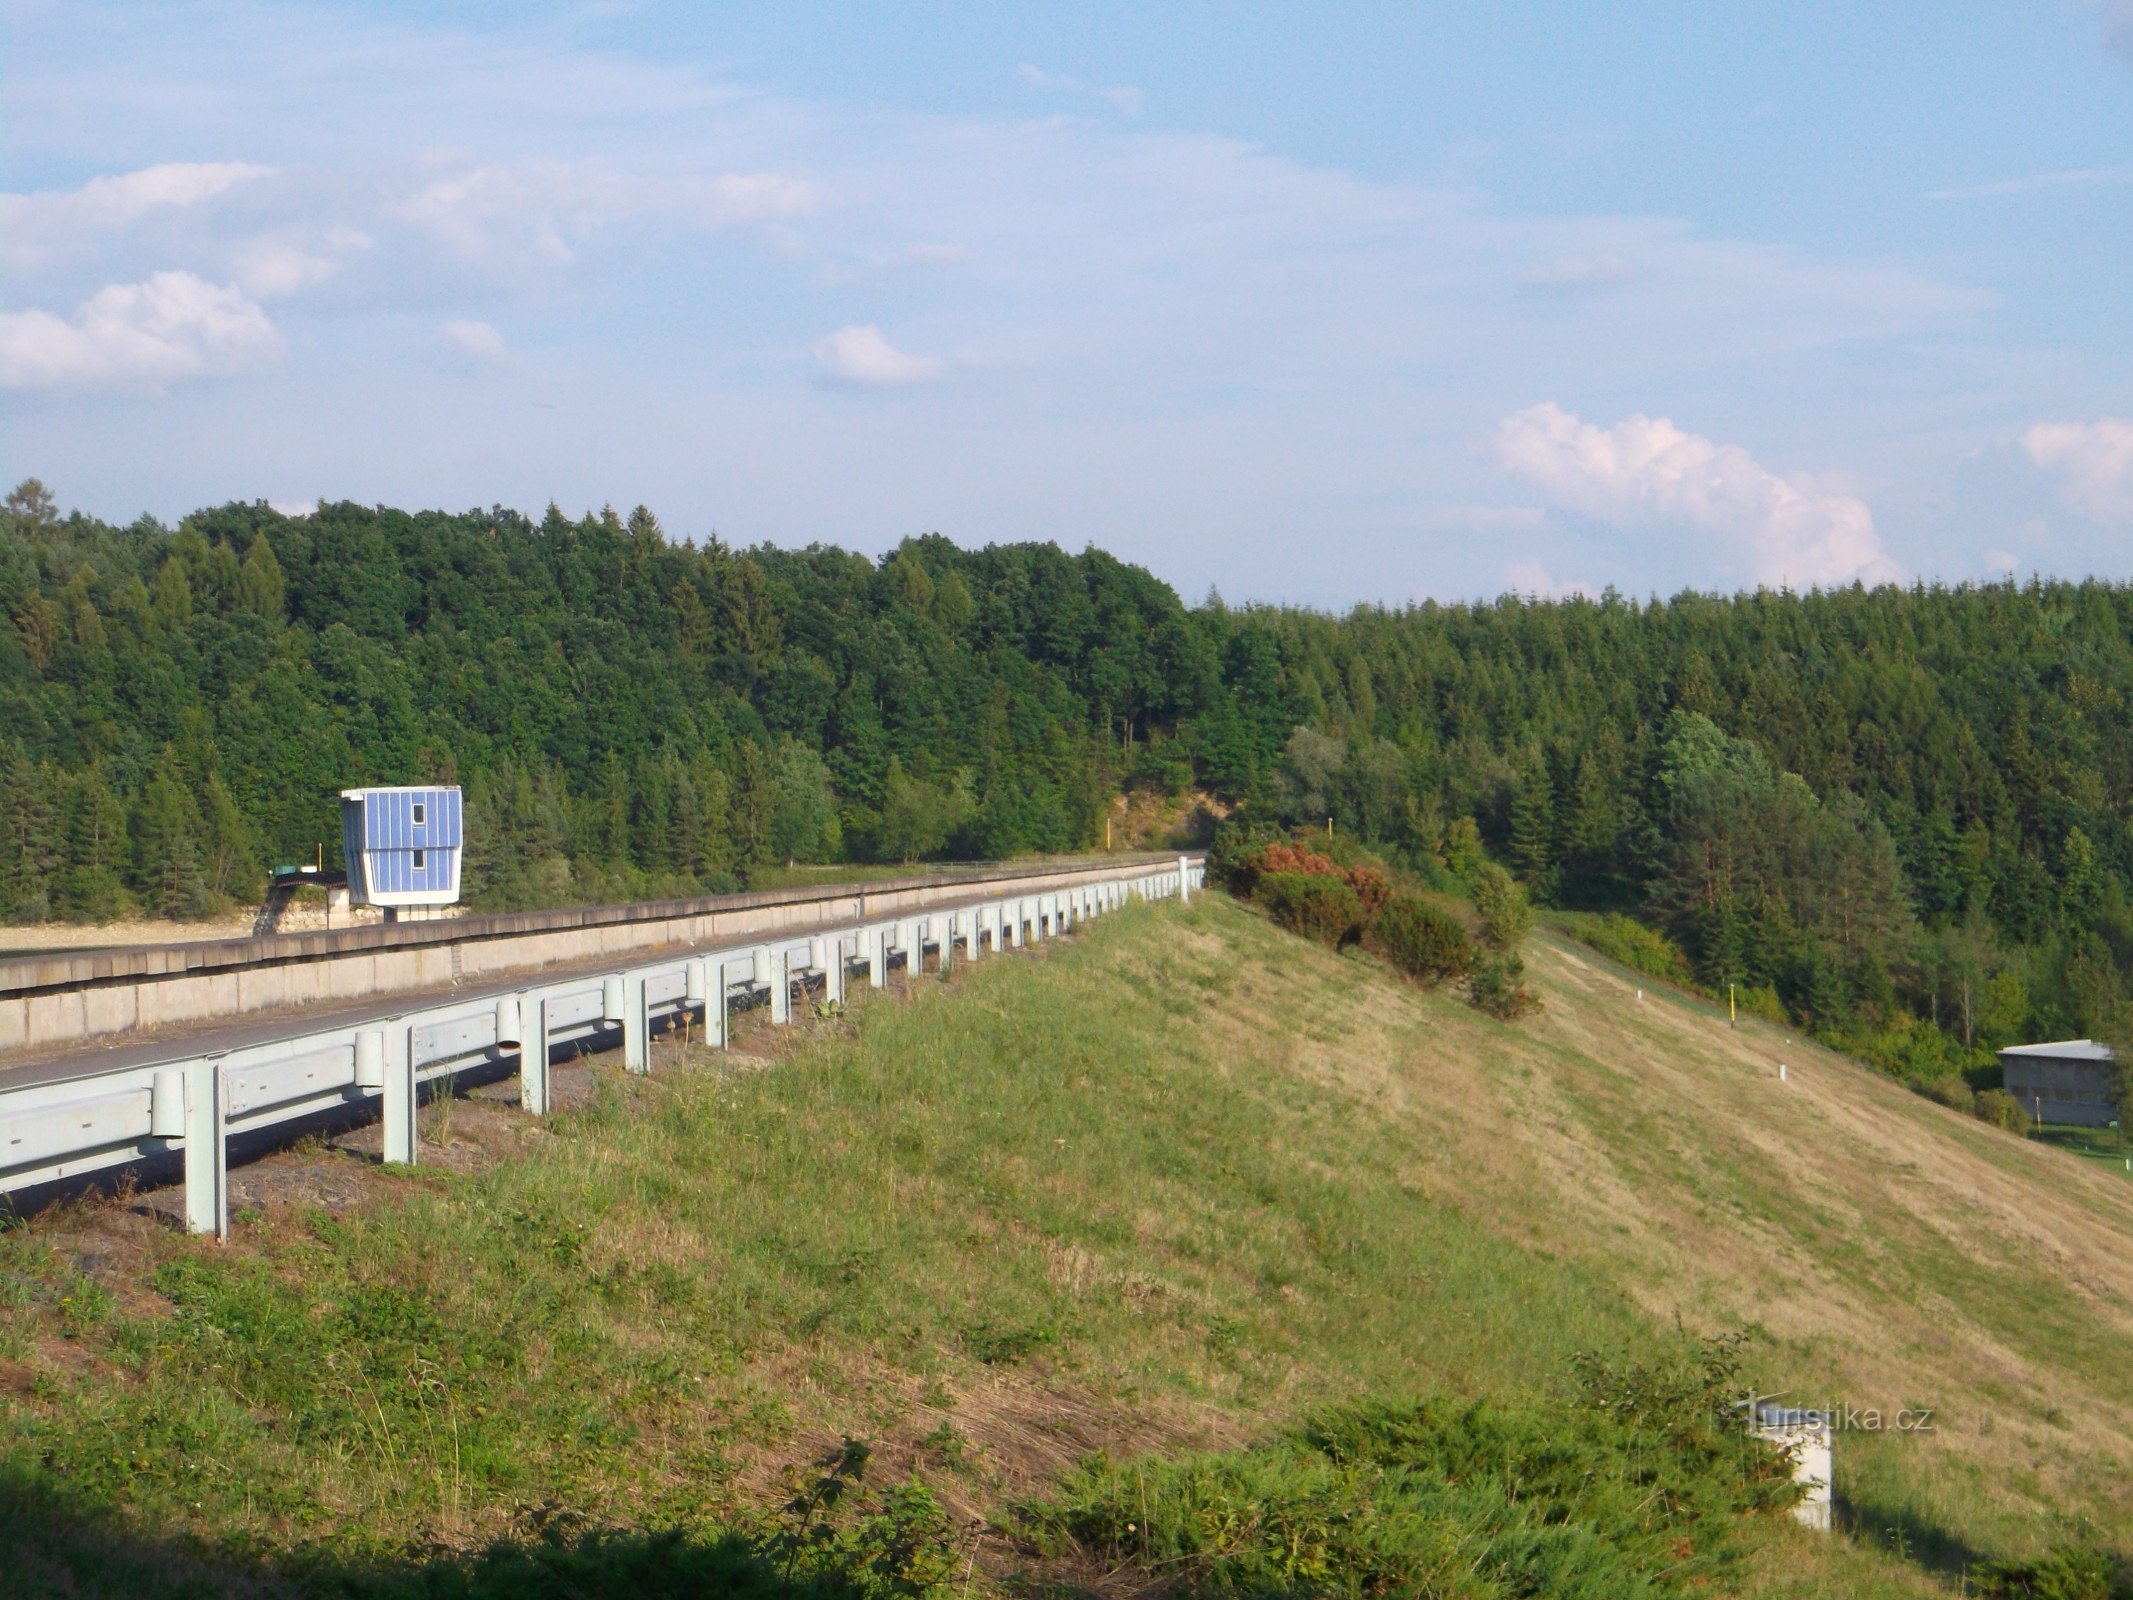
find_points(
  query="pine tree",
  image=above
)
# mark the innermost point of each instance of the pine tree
(260, 587)
(1533, 826)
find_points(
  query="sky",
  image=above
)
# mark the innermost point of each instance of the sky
(1323, 304)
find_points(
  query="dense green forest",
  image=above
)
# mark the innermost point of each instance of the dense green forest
(1899, 813)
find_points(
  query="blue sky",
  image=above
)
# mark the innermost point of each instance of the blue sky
(1322, 304)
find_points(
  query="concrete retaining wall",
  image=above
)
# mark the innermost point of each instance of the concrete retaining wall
(63, 999)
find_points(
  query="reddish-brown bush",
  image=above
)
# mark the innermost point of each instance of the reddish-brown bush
(1369, 884)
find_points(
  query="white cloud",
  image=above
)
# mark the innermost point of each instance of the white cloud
(1485, 517)
(2118, 26)
(138, 336)
(272, 267)
(2093, 461)
(1572, 273)
(1120, 98)
(114, 201)
(1644, 469)
(294, 508)
(1529, 577)
(859, 354)
(547, 208)
(476, 339)
(37, 225)
(2036, 183)
(2003, 562)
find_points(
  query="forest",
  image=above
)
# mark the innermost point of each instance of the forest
(1895, 815)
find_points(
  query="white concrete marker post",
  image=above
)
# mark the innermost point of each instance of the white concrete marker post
(877, 957)
(1018, 913)
(206, 1150)
(970, 935)
(1184, 882)
(833, 970)
(533, 1082)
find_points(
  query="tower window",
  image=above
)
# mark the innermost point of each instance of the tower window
(421, 859)
(421, 812)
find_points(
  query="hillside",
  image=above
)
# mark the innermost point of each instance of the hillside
(1895, 813)
(1170, 1185)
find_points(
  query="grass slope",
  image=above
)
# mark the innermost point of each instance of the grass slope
(1168, 1186)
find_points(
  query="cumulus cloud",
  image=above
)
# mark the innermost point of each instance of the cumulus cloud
(119, 199)
(860, 354)
(1529, 577)
(37, 226)
(138, 336)
(547, 207)
(476, 339)
(1645, 469)
(2093, 462)
(271, 267)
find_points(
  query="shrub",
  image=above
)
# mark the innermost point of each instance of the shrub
(1366, 878)
(1420, 940)
(1637, 947)
(1951, 1092)
(1639, 1486)
(1506, 918)
(2002, 1110)
(1498, 986)
(1314, 904)
(2072, 1573)
(1233, 854)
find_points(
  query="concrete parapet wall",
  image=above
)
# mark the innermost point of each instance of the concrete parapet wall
(63, 999)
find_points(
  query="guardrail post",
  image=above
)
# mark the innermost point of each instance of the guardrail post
(400, 1097)
(715, 1004)
(970, 934)
(877, 957)
(833, 969)
(942, 927)
(911, 942)
(636, 1026)
(533, 1080)
(207, 1195)
(1016, 911)
(780, 981)
(696, 988)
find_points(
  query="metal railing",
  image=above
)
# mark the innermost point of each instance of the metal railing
(194, 1108)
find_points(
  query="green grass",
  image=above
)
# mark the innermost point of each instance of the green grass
(2103, 1146)
(1172, 1185)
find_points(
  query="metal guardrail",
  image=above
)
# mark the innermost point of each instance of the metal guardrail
(194, 1107)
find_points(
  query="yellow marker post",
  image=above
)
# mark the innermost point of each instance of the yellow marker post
(1732, 1010)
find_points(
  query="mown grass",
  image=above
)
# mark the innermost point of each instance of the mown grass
(2103, 1146)
(1170, 1186)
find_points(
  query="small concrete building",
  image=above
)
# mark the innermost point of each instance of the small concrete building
(2066, 1082)
(402, 846)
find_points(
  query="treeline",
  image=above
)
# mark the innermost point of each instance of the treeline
(1901, 812)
